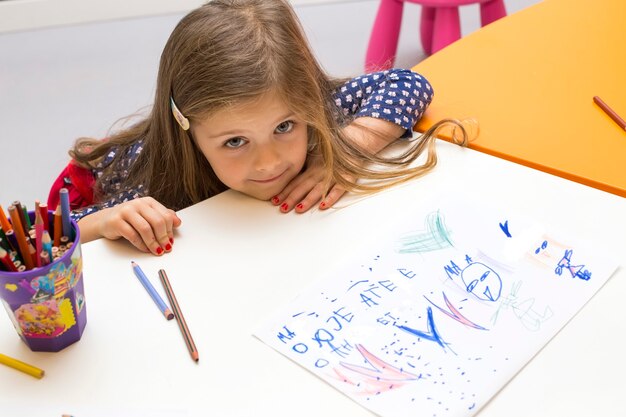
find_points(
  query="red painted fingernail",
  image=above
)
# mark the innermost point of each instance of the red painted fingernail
(159, 250)
(168, 247)
(172, 240)
(300, 206)
(275, 200)
(284, 207)
(323, 205)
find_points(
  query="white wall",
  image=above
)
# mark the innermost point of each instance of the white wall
(16, 15)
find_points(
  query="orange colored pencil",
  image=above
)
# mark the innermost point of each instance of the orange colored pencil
(4, 222)
(182, 324)
(33, 255)
(58, 226)
(20, 211)
(21, 238)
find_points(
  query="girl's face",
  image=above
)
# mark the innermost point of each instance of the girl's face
(255, 147)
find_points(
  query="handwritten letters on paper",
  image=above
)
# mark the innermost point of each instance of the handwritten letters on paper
(440, 314)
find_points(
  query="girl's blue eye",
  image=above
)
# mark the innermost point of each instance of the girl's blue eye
(285, 127)
(235, 142)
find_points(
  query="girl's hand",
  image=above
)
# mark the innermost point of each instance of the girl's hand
(144, 222)
(306, 190)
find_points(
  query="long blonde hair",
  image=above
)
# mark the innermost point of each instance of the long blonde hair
(226, 52)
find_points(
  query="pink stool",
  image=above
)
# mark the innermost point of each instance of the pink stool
(439, 27)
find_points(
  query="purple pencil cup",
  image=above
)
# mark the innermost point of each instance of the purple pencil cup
(47, 304)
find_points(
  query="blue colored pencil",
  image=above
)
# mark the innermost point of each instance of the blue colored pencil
(47, 243)
(153, 293)
(65, 213)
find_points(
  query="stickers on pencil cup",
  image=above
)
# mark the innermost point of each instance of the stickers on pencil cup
(47, 304)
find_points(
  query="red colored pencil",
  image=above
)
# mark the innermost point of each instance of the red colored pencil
(610, 112)
(6, 260)
(43, 210)
(182, 324)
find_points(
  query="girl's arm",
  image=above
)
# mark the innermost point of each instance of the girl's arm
(385, 105)
(373, 134)
(143, 221)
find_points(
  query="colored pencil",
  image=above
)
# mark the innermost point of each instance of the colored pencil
(43, 210)
(46, 242)
(34, 255)
(44, 257)
(610, 112)
(38, 235)
(152, 291)
(12, 240)
(26, 219)
(58, 225)
(182, 324)
(5, 241)
(21, 238)
(6, 261)
(20, 211)
(4, 222)
(21, 366)
(64, 194)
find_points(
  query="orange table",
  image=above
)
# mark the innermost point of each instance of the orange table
(529, 80)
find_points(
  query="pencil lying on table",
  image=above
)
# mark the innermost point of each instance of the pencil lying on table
(152, 291)
(21, 366)
(610, 112)
(182, 324)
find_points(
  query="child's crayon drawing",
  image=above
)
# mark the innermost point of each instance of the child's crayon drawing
(440, 313)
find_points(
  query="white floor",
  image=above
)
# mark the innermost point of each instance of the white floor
(61, 83)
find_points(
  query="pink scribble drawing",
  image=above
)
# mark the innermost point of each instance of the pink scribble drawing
(376, 378)
(456, 314)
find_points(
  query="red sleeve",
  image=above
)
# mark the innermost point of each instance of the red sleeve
(79, 181)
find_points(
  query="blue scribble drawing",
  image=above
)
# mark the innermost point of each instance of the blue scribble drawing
(523, 310)
(479, 279)
(574, 270)
(431, 334)
(482, 281)
(357, 283)
(543, 246)
(505, 228)
(455, 314)
(435, 237)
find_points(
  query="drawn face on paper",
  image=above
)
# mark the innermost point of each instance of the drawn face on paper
(482, 281)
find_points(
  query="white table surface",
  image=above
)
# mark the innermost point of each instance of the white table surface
(237, 260)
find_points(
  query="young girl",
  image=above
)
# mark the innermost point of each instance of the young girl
(241, 103)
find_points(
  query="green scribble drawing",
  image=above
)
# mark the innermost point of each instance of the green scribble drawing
(435, 237)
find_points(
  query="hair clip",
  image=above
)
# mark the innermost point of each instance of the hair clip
(182, 120)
